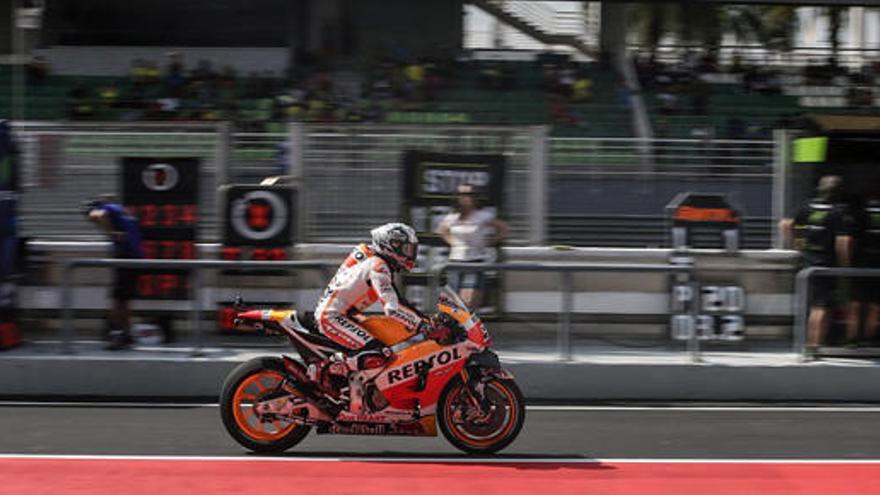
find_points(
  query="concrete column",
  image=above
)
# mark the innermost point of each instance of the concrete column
(612, 34)
(538, 185)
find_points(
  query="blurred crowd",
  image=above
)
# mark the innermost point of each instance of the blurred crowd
(205, 92)
(312, 93)
(686, 88)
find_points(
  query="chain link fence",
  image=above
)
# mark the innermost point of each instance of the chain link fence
(67, 164)
(352, 174)
(601, 192)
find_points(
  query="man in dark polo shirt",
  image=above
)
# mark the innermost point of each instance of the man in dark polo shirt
(823, 232)
(868, 256)
(124, 232)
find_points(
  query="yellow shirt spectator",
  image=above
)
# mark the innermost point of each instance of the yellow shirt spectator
(415, 73)
(581, 89)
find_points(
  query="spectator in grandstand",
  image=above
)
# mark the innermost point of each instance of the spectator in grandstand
(562, 114)
(822, 231)
(37, 71)
(79, 102)
(668, 102)
(175, 78)
(137, 72)
(700, 92)
(565, 79)
(473, 234)
(124, 232)
(415, 73)
(582, 89)
(868, 256)
(204, 71)
(109, 94)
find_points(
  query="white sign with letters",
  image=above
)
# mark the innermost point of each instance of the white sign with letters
(720, 316)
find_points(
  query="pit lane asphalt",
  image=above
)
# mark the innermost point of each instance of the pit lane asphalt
(679, 433)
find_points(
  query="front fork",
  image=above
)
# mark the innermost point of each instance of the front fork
(475, 385)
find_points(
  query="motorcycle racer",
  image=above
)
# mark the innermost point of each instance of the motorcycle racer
(364, 278)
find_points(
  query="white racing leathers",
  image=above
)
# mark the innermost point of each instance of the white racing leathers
(362, 279)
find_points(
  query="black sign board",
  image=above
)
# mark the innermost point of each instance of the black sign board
(9, 334)
(258, 216)
(163, 194)
(431, 180)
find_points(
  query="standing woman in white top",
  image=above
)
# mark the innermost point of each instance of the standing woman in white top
(472, 233)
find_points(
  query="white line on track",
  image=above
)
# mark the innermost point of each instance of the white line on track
(754, 408)
(418, 460)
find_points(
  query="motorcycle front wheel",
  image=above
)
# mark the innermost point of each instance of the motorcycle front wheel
(481, 432)
(245, 386)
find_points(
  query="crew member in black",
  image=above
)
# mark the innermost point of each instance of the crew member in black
(823, 232)
(868, 256)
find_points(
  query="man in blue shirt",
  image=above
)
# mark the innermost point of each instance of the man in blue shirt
(124, 232)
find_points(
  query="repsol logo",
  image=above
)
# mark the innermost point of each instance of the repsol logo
(352, 328)
(410, 370)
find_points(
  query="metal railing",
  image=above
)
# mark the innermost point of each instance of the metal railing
(67, 330)
(64, 164)
(803, 292)
(760, 55)
(566, 272)
(351, 173)
(720, 158)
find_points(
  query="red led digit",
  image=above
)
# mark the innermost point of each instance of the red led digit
(167, 249)
(167, 283)
(150, 249)
(278, 254)
(170, 215)
(187, 250)
(188, 214)
(260, 254)
(145, 285)
(231, 253)
(149, 214)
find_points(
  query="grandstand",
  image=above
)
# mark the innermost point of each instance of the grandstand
(608, 119)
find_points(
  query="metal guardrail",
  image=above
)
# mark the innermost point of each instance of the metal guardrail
(70, 266)
(566, 271)
(802, 296)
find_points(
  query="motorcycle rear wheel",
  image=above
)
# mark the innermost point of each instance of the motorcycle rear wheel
(485, 434)
(242, 389)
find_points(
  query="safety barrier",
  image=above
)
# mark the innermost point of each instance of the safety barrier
(802, 296)
(67, 331)
(566, 271)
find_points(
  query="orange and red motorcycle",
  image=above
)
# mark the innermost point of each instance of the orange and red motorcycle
(269, 404)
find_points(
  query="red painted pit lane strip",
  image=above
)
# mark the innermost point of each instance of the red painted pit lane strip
(152, 476)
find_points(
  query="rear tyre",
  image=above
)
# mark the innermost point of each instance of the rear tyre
(243, 388)
(468, 430)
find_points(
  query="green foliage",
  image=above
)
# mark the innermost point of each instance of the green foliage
(706, 24)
